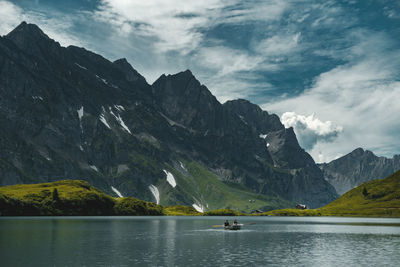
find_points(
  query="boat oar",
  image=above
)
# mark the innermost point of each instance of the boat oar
(217, 226)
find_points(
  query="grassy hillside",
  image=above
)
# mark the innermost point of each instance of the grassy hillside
(180, 210)
(206, 189)
(75, 197)
(377, 198)
(69, 197)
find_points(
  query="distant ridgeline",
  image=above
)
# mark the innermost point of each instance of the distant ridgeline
(377, 198)
(68, 113)
(358, 167)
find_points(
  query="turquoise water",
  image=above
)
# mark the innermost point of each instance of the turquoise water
(192, 241)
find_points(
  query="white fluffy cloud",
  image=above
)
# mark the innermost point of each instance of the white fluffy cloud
(310, 130)
(362, 96)
(178, 25)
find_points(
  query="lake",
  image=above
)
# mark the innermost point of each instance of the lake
(193, 241)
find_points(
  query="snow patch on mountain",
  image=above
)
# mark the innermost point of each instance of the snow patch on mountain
(116, 191)
(103, 118)
(199, 208)
(37, 97)
(104, 121)
(80, 113)
(155, 192)
(120, 121)
(80, 66)
(170, 178)
(102, 79)
(124, 125)
(183, 166)
(119, 108)
(94, 168)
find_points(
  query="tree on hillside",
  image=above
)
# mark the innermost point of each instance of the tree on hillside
(55, 195)
(365, 192)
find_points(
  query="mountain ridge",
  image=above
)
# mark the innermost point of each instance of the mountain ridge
(72, 114)
(375, 198)
(357, 167)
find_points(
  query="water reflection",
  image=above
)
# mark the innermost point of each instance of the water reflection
(177, 241)
(170, 242)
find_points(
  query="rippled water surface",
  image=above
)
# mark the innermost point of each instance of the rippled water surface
(193, 241)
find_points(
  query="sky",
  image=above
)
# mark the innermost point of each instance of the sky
(329, 69)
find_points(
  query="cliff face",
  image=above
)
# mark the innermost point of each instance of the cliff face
(358, 167)
(67, 113)
(302, 179)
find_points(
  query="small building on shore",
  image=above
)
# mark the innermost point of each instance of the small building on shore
(301, 207)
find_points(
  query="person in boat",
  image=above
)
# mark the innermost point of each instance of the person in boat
(226, 223)
(235, 222)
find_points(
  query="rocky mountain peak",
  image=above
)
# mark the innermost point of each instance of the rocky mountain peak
(32, 40)
(27, 32)
(130, 73)
(27, 29)
(181, 78)
(357, 167)
(183, 75)
(185, 100)
(252, 114)
(286, 151)
(243, 102)
(357, 152)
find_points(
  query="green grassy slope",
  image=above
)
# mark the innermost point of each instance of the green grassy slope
(75, 197)
(180, 210)
(377, 198)
(207, 189)
(69, 197)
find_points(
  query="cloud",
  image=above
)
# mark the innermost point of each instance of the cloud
(279, 44)
(361, 96)
(10, 16)
(239, 12)
(178, 35)
(226, 60)
(230, 71)
(174, 25)
(181, 25)
(391, 10)
(310, 130)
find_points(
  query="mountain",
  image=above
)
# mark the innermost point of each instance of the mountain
(373, 198)
(377, 198)
(68, 113)
(358, 167)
